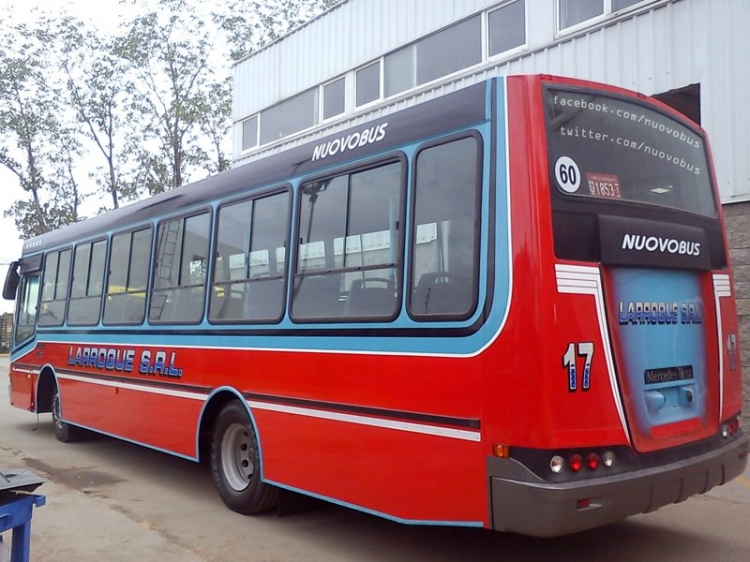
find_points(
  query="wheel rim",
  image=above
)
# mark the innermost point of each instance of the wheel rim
(56, 413)
(237, 457)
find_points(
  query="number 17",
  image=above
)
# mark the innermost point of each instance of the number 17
(585, 349)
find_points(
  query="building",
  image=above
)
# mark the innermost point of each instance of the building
(366, 58)
(6, 331)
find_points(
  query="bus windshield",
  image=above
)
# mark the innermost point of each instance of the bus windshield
(604, 147)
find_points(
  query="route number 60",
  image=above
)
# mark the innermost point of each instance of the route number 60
(567, 174)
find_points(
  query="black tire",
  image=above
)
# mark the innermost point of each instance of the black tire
(235, 463)
(64, 432)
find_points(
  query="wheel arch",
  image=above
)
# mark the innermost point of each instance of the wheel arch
(218, 399)
(45, 389)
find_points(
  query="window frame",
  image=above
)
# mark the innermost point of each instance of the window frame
(256, 117)
(55, 297)
(131, 231)
(444, 31)
(285, 188)
(379, 96)
(20, 309)
(152, 289)
(322, 99)
(488, 56)
(410, 286)
(316, 93)
(71, 298)
(607, 13)
(391, 158)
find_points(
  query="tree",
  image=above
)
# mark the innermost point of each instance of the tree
(152, 103)
(169, 52)
(250, 25)
(215, 127)
(38, 149)
(97, 86)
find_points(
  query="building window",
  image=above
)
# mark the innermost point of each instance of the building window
(368, 83)
(622, 4)
(400, 70)
(452, 49)
(334, 98)
(250, 133)
(290, 116)
(438, 55)
(574, 12)
(507, 27)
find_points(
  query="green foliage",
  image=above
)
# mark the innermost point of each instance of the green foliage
(252, 24)
(37, 146)
(115, 118)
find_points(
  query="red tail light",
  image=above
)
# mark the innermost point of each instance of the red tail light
(592, 461)
(576, 462)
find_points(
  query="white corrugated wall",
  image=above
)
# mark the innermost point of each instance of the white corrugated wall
(668, 44)
(348, 36)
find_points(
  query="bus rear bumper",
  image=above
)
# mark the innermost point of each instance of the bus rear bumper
(544, 509)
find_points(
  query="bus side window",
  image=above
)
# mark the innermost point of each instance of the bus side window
(445, 236)
(55, 288)
(250, 262)
(179, 289)
(349, 251)
(25, 322)
(130, 256)
(88, 280)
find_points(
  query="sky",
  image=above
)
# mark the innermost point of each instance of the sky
(104, 14)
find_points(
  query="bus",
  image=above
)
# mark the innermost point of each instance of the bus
(509, 307)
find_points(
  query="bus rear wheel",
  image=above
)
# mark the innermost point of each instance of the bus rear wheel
(235, 463)
(64, 432)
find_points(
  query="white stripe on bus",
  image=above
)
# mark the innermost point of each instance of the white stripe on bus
(411, 427)
(369, 421)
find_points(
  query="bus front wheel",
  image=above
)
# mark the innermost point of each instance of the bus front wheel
(63, 431)
(235, 463)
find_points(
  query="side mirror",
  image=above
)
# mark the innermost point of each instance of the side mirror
(11, 281)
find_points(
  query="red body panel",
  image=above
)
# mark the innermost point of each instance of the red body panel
(23, 390)
(387, 462)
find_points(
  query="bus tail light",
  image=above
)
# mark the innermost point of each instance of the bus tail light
(592, 461)
(576, 462)
(730, 427)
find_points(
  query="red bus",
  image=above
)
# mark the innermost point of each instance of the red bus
(507, 307)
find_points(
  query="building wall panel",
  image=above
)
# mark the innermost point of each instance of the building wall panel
(347, 37)
(670, 44)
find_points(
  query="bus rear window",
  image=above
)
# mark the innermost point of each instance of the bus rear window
(611, 149)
